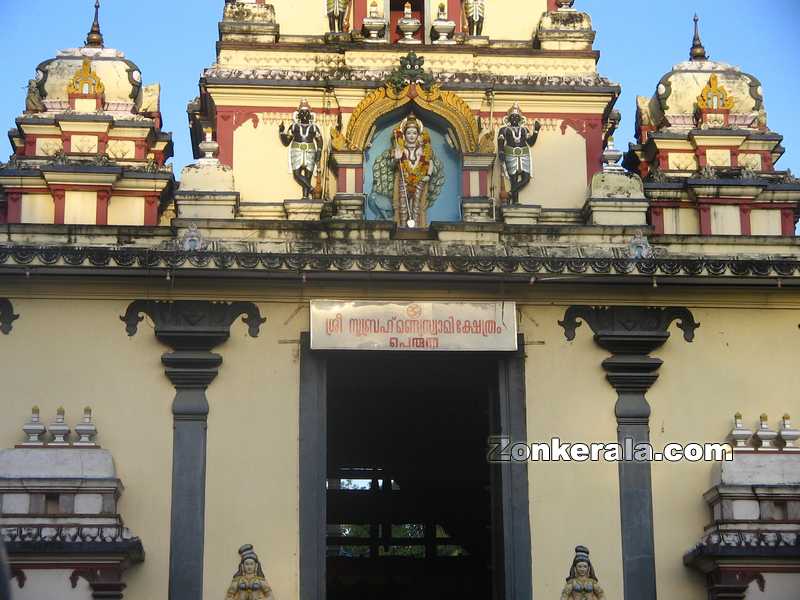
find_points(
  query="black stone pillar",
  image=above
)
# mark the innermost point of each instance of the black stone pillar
(192, 329)
(630, 333)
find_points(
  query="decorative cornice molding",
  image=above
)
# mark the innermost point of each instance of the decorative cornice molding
(7, 316)
(418, 259)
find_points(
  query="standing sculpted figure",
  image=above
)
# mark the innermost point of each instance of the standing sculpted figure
(304, 141)
(514, 142)
(337, 14)
(475, 11)
(410, 174)
(582, 581)
(249, 582)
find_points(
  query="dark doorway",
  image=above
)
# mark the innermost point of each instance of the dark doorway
(396, 495)
(409, 490)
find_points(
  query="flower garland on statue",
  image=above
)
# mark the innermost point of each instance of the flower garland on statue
(414, 171)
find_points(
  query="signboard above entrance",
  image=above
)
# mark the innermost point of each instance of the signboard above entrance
(413, 326)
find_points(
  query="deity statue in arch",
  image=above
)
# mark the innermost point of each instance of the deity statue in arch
(410, 174)
(249, 582)
(514, 142)
(338, 11)
(304, 141)
(475, 12)
(582, 581)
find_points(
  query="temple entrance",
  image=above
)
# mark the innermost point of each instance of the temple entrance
(396, 495)
(409, 491)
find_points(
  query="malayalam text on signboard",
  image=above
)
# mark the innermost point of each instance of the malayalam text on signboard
(443, 326)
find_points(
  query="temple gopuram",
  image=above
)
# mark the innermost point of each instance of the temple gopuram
(340, 354)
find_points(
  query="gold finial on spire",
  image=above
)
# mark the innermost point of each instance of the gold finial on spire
(95, 38)
(698, 52)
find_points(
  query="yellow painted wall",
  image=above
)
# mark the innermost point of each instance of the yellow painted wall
(559, 170)
(259, 157)
(504, 20)
(571, 503)
(75, 353)
(252, 471)
(80, 208)
(684, 221)
(126, 210)
(252, 494)
(725, 220)
(731, 366)
(37, 208)
(765, 222)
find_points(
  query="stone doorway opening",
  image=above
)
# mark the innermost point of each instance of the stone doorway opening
(409, 491)
(396, 494)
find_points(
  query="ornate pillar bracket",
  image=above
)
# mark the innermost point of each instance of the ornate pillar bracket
(7, 316)
(105, 582)
(631, 333)
(192, 328)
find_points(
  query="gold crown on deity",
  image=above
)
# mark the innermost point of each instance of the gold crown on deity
(515, 110)
(304, 106)
(411, 121)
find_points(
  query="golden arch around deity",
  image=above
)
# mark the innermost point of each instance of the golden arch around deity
(445, 104)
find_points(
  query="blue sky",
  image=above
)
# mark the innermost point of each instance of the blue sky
(173, 40)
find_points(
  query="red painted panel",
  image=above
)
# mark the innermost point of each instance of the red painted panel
(454, 13)
(59, 200)
(359, 180)
(151, 209)
(483, 177)
(787, 221)
(225, 137)
(359, 13)
(14, 209)
(101, 217)
(705, 220)
(341, 180)
(744, 219)
(466, 192)
(657, 220)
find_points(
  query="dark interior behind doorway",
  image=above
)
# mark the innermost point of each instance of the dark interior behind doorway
(409, 491)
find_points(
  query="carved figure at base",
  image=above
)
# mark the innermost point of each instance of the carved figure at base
(249, 582)
(410, 174)
(337, 14)
(514, 142)
(475, 12)
(582, 581)
(304, 141)
(33, 101)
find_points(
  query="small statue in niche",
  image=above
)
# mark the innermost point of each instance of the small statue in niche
(582, 581)
(410, 174)
(249, 582)
(337, 14)
(475, 12)
(304, 141)
(33, 101)
(514, 142)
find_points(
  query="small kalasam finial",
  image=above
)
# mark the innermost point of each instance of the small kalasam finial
(698, 52)
(95, 39)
